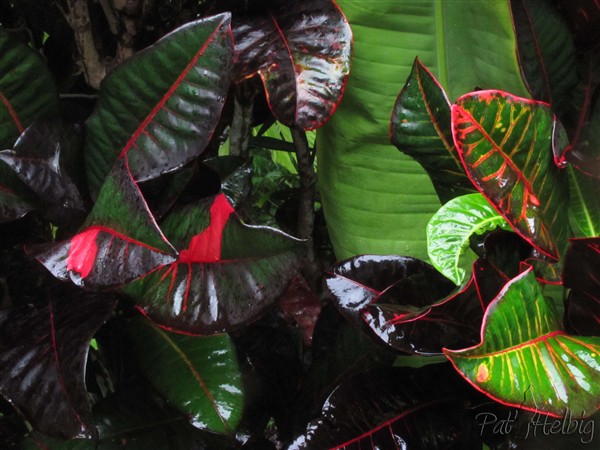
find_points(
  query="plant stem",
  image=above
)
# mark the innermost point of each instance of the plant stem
(78, 17)
(241, 124)
(306, 208)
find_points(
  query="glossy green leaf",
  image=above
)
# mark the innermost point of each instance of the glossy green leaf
(159, 109)
(450, 228)
(421, 128)
(198, 375)
(227, 274)
(377, 200)
(546, 51)
(527, 361)
(27, 90)
(506, 146)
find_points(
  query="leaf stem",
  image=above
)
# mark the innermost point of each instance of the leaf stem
(241, 124)
(306, 209)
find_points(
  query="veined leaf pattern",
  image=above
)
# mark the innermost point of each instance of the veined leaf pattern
(505, 145)
(526, 360)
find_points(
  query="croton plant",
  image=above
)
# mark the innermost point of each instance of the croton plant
(143, 306)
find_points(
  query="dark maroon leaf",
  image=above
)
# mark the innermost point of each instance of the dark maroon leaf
(410, 322)
(43, 351)
(581, 274)
(546, 51)
(37, 159)
(120, 240)
(12, 205)
(275, 372)
(227, 274)
(339, 352)
(132, 420)
(301, 305)
(301, 51)
(397, 408)
(583, 17)
(357, 282)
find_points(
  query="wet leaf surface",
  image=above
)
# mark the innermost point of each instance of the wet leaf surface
(301, 51)
(43, 352)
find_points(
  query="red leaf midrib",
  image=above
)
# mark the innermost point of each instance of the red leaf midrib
(13, 114)
(195, 373)
(142, 127)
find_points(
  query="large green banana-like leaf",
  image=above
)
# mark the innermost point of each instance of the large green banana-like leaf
(27, 90)
(526, 360)
(506, 146)
(159, 109)
(375, 199)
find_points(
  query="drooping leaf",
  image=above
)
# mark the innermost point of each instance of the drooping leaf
(301, 53)
(198, 375)
(43, 352)
(505, 144)
(410, 306)
(526, 360)
(581, 268)
(227, 274)
(37, 158)
(120, 240)
(159, 109)
(408, 321)
(421, 128)
(449, 230)
(357, 282)
(546, 51)
(393, 408)
(375, 199)
(27, 90)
